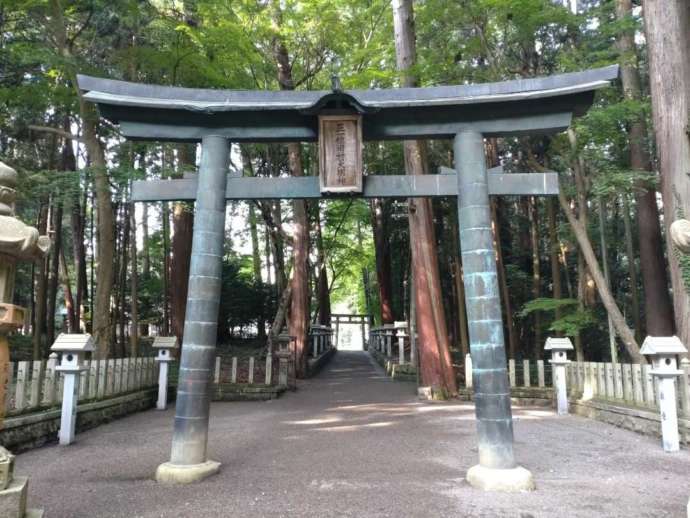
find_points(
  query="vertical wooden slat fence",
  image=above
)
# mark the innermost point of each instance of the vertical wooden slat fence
(37, 385)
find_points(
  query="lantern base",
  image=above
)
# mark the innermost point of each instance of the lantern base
(168, 473)
(503, 480)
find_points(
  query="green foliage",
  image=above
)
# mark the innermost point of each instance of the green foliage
(571, 323)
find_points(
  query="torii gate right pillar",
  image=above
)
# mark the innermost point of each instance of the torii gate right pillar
(497, 469)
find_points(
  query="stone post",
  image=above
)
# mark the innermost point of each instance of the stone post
(165, 346)
(188, 460)
(663, 351)
(497, 469)
(73, 348)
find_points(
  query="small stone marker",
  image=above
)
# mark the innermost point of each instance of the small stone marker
(559, 359)
(165, 346)
(73, 348)
(663, 350)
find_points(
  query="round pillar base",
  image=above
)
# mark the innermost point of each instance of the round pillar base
(503, 480)
(168, 473)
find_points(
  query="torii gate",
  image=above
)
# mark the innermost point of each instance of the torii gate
(340, 120)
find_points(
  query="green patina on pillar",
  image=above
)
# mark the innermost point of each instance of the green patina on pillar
(489, 370)
(188, 459)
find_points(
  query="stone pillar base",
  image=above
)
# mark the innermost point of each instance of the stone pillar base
(168, 473)
(503, 480)
(13, 500)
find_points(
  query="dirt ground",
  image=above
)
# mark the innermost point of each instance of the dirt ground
(352, 443)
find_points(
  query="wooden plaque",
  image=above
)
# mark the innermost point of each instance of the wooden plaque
(340, 153)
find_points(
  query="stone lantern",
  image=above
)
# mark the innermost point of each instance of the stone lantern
(662, 350)
(559, 348)
(284, 352)
(72, 349)
(17, 242)
(165, 345)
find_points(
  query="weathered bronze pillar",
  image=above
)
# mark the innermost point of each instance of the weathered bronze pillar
(188, 461)
(497, 469)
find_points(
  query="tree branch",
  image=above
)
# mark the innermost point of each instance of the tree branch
(56, 131)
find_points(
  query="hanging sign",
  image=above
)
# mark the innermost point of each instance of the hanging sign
(340, 153)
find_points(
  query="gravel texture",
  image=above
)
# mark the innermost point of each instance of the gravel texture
(352, 443)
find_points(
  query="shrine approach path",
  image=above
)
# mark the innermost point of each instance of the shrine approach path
(352, 443)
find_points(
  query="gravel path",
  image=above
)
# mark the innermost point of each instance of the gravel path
(352, 443)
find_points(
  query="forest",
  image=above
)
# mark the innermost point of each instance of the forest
(593, 263)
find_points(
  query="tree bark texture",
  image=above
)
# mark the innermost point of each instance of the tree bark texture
(624, 332)
(383, 259)
(658, 304)
(667, 28)
(436, 367)
(181, 247)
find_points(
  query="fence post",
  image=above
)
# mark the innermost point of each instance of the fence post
(511, 372)
(118, 376)
(610, 389)
(233, 372)
(251, 370)
(93, 379)
(50, 379)
(540, 373)
(269, 369)
(638, 394)
(627, 382)
(83, 381)
(617, 381)
(36, 380)
(649, 393)
(525, 373)
(468, 371)
(20, 393)
(216, 371)
(684, 387)
(8, 398)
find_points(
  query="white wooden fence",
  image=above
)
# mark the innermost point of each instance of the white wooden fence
(620, 383)
(34, 385)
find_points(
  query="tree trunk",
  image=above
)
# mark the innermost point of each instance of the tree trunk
(536, 273)
(632, 270)
(554, 248)
(145, 257)
(383, 259)
(459, 285)
(667, 29)
(502, 281)
(323, 291)
(436, 366)
(101, 316)
(617, 318)
(134, 288)
(124, 254)
(40, 276)
(658, 305)
(299, 307)
(72, 322)
(183, 224)
(54, 271)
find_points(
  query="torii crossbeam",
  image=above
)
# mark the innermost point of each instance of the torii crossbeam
(466, 113)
